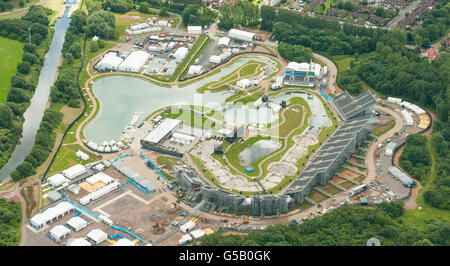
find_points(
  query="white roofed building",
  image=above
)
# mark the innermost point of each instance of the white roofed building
(99, 192)
(123, 242)
(59, 231)
(244, 83)
(184, 239)
(79, 242)
(187, 227)
(134, 62)
(302, 74)
(194, 29)
(100, 177)
(196, 234)
(97, 235)
(77, 223)
(74, 171)
(215, 59)
(241, 35)
(195, 69)
(166, 128)
(109, 62)
(181, 54)
(56, 180)
(224, 42)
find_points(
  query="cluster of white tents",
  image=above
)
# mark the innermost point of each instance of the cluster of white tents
(416, 109)
(106, 147)
(132, 63)
(194, 235)
(83, 156)
(51, 214)
(216, 59)
(141, 28)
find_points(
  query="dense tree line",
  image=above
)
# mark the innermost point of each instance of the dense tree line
(10, 222)
(416, 158)
(241, 13)
(295, 52)
(24, 81)
(6, 5)
(195, 15)
(342, 226)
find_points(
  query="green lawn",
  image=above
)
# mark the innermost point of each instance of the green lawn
(383, 129)
(66, 158)
(10, 55)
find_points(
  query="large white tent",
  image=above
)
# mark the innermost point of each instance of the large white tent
(50, 214)
(99, 192)
(134, 62)
(184, 239)
(196, 234)
(244, 83)
(180, 54)
(83, 156)
(408, 118)
(224, 42)
(241, 35)
(77, 223)
(80, 242)
(97, 235)
(59, 231)
(109, 62)
(215, 59)
(123, 242)
(100, 177)
(194, 29)
(74, 171)
(56, 180)
(187, 227)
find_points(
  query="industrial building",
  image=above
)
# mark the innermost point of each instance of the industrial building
(338, 148)
(302, 74)
(134, 62)
(133, 175)
(241, 35)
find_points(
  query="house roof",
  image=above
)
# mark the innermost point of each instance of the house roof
(430, 52)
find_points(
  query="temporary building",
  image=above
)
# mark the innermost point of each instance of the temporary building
(182, 138)
(80, 242)
(59, 231)
(50, 214)
(92, 145)
(163, 23)
(194, 29)
(180, 54)
(77, 223)
(394, 100)
(95, 38)
(408, 118)
(109, 62)
(187, 227)
(56, 180)
(100, 177)
(83, 156)
(105, 219)
(196, 234)
(99, 167)
(405, 179)
(241, 35)
(123, 242)
(244, 83)
(74, 171)
(195, 69)
(139, 26)
(389, 149)
(224, 42)
(97, 235)
(38, 220)
(184, 239)
(134, 62)
(99, 193)
(215, 59)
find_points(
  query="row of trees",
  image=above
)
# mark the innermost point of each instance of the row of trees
(344, 226)
(195, 15)
(416, 158)
(6, 5)
(10, 222)
(242, 12)
(25, 80)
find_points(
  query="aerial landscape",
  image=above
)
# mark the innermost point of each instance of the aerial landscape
(224, 123)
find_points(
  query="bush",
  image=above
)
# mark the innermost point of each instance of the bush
(23, 67)
(94, 47)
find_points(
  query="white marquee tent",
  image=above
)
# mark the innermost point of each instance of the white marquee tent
(77, 223)
(59, 231)
(123, 242)
(109, 62)
(74, 171)
(80, 242)
(97, 235)
(56, 180)
(134, 62)
(241, 35)
(194, 29)
(180, 54)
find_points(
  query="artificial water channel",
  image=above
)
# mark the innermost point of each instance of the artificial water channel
(120, 96)
(33, 115)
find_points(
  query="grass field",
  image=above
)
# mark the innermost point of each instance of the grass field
(66, 158)
(192, 119)
(10, 55)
